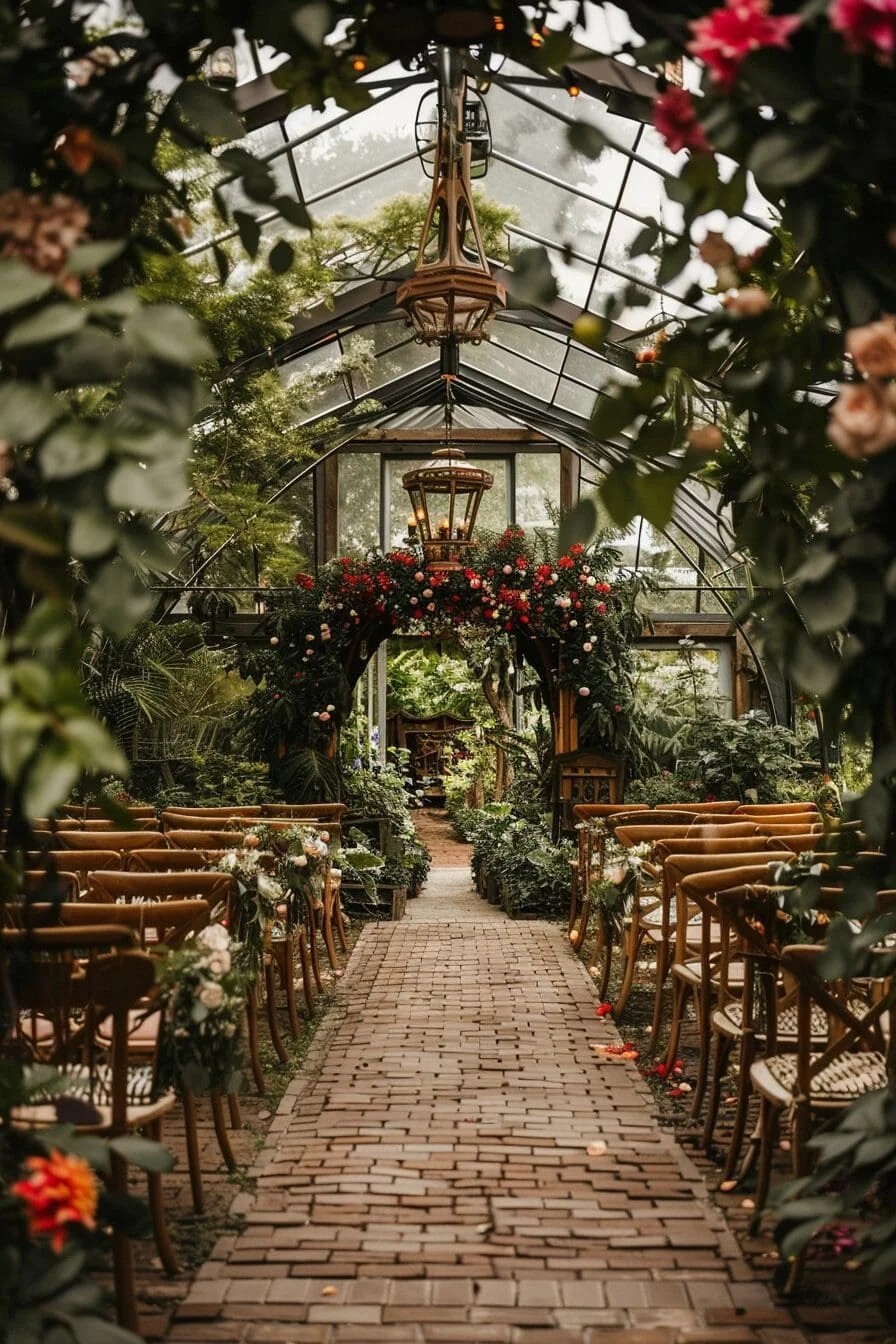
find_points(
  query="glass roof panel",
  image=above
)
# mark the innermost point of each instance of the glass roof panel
(501, 363)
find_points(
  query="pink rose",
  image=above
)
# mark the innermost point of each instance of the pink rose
(862, 422)
(705, 440)
(725, 36)
(675, 117)
(867, 26)
(750, 301)
(873, 347)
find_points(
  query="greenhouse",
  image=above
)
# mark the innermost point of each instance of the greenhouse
(447, 463)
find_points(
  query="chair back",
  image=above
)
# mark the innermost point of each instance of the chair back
(718, 844)
(121, 841)
(70, 981)
(725, 806)
(216, 889)
(155, 924)
(721, 827)
(43, 885)
(776, 809)
(330, 814)
(202, 839)
(81, 862)
(183, 818)
(164, 860)
(139, 811)
(796, 827)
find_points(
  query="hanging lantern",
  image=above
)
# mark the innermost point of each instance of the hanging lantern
(452, 295)
(445, 498)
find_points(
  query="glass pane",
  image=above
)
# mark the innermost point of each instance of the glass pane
(372, 139)
(573, 397)
(502, 364)
(683, 681)
(299, 500)
(537, 485)
(359, 502)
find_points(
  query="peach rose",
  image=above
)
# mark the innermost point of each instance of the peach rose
(873, 347)
(716, 251)
(705, 440)
(750, 301)
(862, 422)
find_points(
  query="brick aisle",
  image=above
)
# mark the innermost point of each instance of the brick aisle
(426, 1178)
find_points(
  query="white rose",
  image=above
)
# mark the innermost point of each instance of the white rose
(215, 937)
(300, 861)
(228, 1029)
(268, 888)
(228, 860)
(210, 995)
(219, 962)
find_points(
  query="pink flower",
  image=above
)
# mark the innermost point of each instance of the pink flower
(862, 422)
(675, 117)
(867, 26)
(873, 347)
(724, 37)
(751, 301)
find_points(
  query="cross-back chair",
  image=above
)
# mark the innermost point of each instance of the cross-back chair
(67, 983)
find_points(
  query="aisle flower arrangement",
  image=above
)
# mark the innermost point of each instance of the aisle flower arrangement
(254, 908)
(203, 992)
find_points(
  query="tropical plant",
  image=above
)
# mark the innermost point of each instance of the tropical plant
(750, 758)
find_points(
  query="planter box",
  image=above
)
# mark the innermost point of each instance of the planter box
(492, 891)
(357, 904)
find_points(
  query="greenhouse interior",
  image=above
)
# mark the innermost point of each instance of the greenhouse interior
(448, 672)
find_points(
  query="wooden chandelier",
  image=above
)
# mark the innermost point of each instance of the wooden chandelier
(453, 295)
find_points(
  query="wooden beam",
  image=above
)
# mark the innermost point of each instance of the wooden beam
(398, 437)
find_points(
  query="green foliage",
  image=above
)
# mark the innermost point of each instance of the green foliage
(423, 681)
(748, 758)
(533, 873)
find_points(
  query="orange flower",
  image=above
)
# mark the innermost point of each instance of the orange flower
(59, 1191)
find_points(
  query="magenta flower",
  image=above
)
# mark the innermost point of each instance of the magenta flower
(867, 26)
(723, 38)
(675, 117)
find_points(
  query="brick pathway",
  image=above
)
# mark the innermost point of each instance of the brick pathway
(426, 1178)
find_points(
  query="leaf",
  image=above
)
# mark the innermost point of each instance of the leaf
(612, 413)
(50, 779)
(72, 450)
(63, 1270)
(787, 158)
(578, 524)
(293, 211)
(619, 496)
(587, 140)
(168, 333)
(26, 411)
(117, 599)
(88, 257)
(814, 667)
(157, 489)
(534, 281)
(211, 110)
(20, 285)
(249, 231)
(143, 1153)
(674, 259)
(96, 1330)
(828, 605)
(47, 325)
(92, 533)
(312, 21)
(281, 257)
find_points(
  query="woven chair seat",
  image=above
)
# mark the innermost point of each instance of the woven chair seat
(692, 972)
(730, 1022)
(836, 1085)
(92, 1088)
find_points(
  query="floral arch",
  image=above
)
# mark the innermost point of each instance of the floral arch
(572, 618)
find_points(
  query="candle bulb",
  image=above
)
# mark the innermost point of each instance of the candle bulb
(461, 531)
(444, 530)
(412, 525)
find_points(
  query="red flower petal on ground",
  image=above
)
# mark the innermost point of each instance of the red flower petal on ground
(604, 1009)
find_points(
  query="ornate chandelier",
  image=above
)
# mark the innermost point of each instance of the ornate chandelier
(453, 295)
(445, 498)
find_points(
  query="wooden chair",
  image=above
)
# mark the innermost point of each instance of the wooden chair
(43, 885)
(692, 882)
(216, 889)
(80, 862)
(330, 814)
(82, 812)
(120, 841)
(776, 809)
(204, 839)
(218, 813)
(80, 979)
(165, 860)
(841, 1033)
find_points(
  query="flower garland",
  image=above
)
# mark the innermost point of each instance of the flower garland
(255, 907)
(577, 600)
(203, 992)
